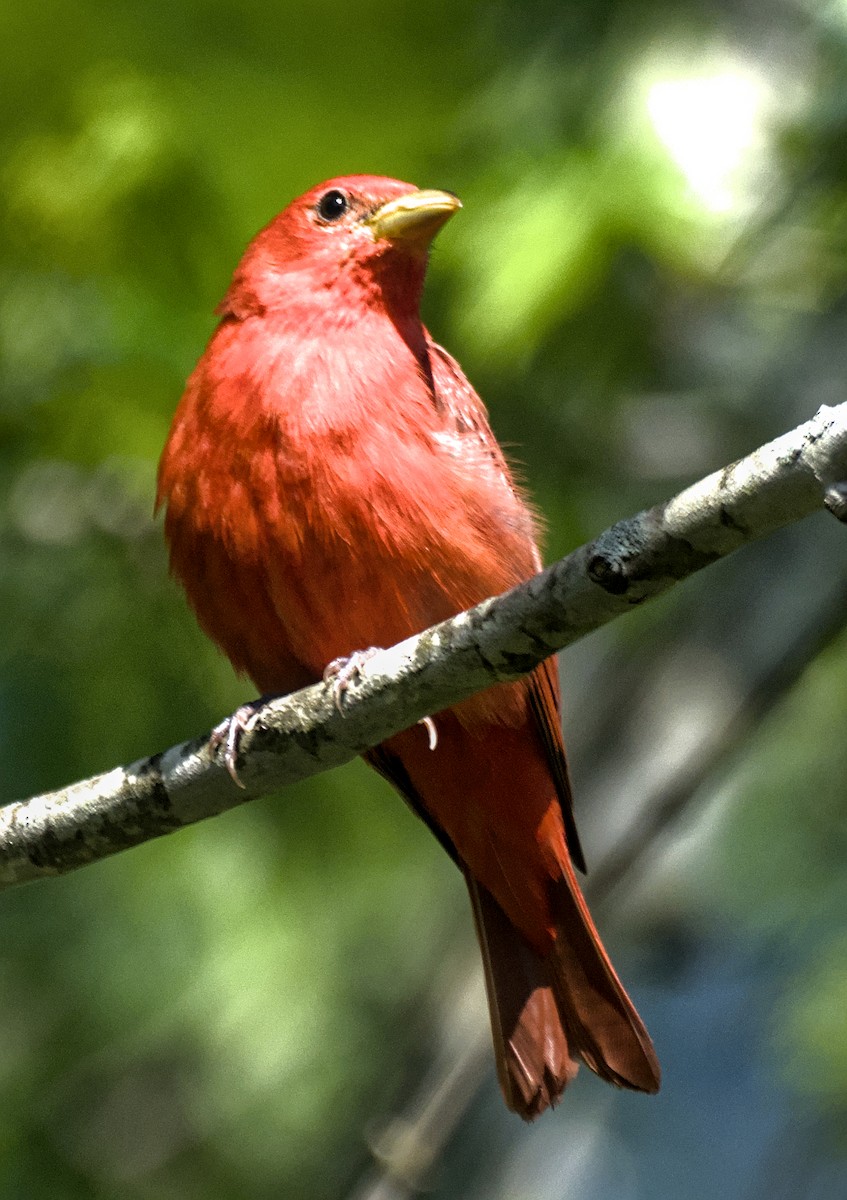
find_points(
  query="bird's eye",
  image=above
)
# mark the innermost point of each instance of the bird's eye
(332, 205)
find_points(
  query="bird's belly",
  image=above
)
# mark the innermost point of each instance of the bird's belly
(306, 556)
(375, 546)
(340, 597)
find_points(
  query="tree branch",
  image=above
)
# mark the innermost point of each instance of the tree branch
(500, 640)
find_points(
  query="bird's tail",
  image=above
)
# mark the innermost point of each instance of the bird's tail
(547, 1012)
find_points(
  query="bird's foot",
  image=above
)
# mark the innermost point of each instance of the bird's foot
(229, 734)
(341, 672)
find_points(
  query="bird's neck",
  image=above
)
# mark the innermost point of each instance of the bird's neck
(391, 284)
(368, 314)
(392, 290)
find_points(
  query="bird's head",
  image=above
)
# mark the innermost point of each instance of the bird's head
(358, 233)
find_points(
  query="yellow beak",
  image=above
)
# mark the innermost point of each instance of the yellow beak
(414, 218)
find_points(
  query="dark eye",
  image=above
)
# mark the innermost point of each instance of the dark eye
(332, 205)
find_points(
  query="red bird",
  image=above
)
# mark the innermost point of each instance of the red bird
(332, 484)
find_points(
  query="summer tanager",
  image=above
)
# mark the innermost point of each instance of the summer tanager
(332, 484)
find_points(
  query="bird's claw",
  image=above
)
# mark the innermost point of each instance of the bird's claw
(341, 672)
(229, 734)
(429, 726)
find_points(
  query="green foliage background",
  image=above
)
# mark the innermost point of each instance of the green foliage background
(232, 1012)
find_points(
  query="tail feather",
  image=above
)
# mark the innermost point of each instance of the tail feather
(603, 1026)
(548, 1012)
(534, 1063)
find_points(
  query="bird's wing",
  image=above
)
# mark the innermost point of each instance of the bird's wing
(467, 418)
(390, 766)
(545, 703)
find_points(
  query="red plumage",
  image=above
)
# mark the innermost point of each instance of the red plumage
(331, 484)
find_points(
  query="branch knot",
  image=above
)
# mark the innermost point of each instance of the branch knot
(609, 573)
